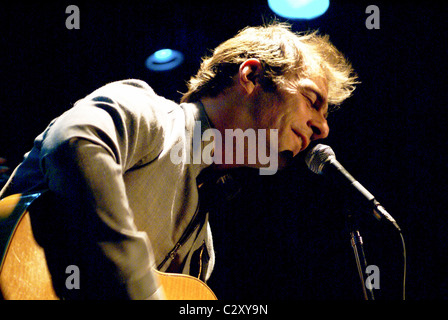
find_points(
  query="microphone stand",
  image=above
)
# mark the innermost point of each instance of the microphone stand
(358, 250)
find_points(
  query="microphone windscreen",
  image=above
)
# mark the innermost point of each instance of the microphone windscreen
(317, 157)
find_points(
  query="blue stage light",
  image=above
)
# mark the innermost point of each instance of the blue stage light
(164, 60)
(299, 9)
(163, 56)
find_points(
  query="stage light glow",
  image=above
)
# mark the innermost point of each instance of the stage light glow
(163, 55)
(164, 60)
(299, 9)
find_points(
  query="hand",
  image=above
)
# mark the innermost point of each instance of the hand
(3, 168)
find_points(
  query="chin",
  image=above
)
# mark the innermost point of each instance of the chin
(285, 159)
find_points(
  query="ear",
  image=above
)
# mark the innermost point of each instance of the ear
(248, 74)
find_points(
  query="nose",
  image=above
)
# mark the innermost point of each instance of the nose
(320, 128)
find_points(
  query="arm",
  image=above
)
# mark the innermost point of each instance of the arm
(83, 157)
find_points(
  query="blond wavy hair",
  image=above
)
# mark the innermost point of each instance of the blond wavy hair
(286, 58)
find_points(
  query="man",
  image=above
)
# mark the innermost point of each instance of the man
(121, 206)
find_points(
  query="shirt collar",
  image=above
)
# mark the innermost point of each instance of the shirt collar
(200, 119)
(202, 116)
(223, 182)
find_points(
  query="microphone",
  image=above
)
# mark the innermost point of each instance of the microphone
(322, 160)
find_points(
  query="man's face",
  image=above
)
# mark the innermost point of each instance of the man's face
(299, 116)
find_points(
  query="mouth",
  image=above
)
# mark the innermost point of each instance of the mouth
(304, 141)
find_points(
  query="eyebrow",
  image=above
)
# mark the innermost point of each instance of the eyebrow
(317, 92)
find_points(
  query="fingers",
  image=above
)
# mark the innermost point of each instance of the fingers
(3, 168)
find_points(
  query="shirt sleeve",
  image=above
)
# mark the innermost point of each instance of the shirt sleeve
(83, 157)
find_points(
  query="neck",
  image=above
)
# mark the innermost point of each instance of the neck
(226, 112)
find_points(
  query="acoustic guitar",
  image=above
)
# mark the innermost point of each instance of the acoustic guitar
(24, 274)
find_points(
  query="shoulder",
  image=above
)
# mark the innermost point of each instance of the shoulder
(128, 85)
(124, 111)
(132, 101)
(131, 93)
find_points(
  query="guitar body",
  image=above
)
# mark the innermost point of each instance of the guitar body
(184, 287)
(24, 274)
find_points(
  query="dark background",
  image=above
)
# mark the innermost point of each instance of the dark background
(284, 237)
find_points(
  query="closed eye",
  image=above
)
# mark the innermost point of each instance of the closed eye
(310, 101)
(317, 104)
